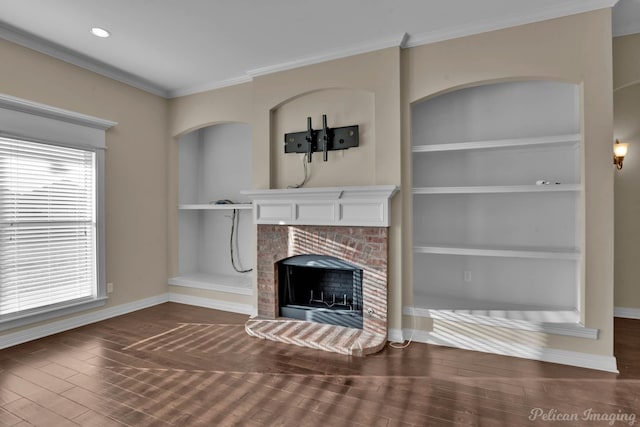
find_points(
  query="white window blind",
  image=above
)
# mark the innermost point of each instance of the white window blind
(47, 225)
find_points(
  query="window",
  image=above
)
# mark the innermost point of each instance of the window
(47, 225)
(51, 212)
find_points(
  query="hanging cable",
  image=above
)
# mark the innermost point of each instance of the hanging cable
(403, 344)
(306, 173)
(235, 225)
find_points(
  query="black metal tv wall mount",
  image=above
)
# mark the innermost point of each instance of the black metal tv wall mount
(325, 139)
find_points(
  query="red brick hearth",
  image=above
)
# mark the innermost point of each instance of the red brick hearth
(364, 247)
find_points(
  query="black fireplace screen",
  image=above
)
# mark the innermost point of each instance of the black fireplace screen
(320, 288)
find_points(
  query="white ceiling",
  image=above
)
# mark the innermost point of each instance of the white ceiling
(173, 48)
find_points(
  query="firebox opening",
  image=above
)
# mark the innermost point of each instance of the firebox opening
(322, 289)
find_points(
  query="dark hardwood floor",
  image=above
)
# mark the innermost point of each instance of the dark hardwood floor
(177, 365)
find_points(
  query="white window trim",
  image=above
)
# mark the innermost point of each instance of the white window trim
(22, 119)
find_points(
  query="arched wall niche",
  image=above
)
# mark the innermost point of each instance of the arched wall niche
(214, 166)
(626, 128)
(343, 107)
(214, 162)
(423, 90)
(475, 83)
(490, 110)
(479, 154)
(205, 125)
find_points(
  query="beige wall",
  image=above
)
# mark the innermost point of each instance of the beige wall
(136, 156)
(363, 90)
(376, 73)
(343, 107)
(626, 126)
(142, 155)
(576, 49)
(380, 86)
(186, 114)
(189, 113)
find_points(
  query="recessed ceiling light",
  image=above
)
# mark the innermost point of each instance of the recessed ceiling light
(100, 32)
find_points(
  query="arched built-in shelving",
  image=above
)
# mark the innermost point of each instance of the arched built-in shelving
(214, 166)
(496, 204)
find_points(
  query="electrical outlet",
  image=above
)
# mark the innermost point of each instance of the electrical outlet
(466, 276)
(109, 288)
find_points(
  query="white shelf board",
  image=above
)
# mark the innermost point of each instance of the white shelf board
(497, 189)
(242, 285)
(213, 206)
(507, 252)
(553, 320)
(500, 143)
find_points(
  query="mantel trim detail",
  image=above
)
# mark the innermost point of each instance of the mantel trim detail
(366, 206)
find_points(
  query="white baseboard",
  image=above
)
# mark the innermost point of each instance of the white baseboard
(55, 327)
(211, 303)
(395, 335)
(566, 324)
(565, 357)
(41, 331)
(585, 360)
(627, 312)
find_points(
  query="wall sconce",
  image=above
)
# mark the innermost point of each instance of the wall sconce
(619, 151)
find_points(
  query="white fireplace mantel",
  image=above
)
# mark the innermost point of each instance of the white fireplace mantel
(366, 206)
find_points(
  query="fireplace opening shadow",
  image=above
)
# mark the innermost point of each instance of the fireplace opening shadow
(321, 289)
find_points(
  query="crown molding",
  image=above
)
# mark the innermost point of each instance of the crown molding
(209, 86)
(575, 7)
(33, 42)
(395, 41)
(627, 30)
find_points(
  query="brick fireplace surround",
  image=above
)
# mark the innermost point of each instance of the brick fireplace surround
(364, 246)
